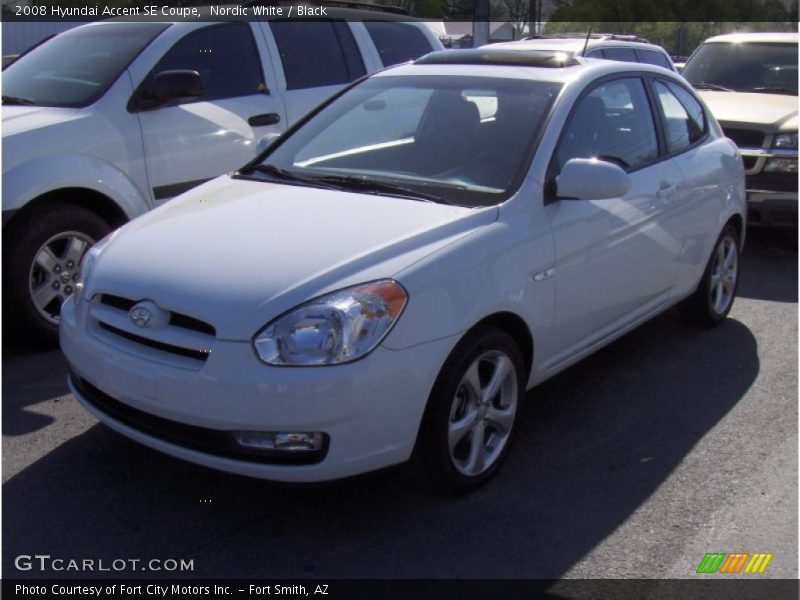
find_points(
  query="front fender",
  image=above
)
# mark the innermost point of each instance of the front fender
(488, 272)
(38, 176)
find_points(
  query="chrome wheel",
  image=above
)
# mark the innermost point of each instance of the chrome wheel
(482, 413)
(55, 271)
(724, 271)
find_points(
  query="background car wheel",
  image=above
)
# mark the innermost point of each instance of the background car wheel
(41, 264)
(470, 420)
(713, 299)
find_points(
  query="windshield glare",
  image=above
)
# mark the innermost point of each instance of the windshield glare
(466, 140)
(745, 67)
(75, 68)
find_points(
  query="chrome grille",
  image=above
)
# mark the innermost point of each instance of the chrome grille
(176, 338)
(744, 138)
(187, 352)
(175, 319)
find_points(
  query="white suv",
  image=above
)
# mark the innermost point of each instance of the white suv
(610, 46)
(391, 277)
(108, 120)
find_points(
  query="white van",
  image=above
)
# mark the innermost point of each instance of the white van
(109, 120)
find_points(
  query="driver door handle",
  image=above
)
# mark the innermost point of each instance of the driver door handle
(263, 120)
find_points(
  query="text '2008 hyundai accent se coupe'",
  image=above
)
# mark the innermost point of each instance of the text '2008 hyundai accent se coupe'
(388, 279)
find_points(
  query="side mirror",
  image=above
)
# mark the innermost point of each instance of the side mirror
(592, 179)
(180, 84)
(266, 141)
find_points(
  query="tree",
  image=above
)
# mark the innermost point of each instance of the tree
(675, 10)
(677, 38)
(518, 13)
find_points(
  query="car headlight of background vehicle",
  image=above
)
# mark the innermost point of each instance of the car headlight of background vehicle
(336, 328)
(787, 141)
(87, 264)
(785, 161)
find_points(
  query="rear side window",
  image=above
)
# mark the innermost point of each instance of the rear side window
(622, 54)
(653, 57)
(226, 58)
(614, 123)
(317, 53)
(685, 121)
(397, 42)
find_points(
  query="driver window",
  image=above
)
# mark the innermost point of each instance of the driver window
(225, 56)
(613, 122)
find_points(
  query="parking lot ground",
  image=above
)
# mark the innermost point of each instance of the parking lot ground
(670, 443)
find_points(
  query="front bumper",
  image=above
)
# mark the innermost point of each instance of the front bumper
(771, 209)
(771, 199)
(370, 409)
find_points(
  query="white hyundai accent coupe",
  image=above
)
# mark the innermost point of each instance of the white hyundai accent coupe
(386, 281)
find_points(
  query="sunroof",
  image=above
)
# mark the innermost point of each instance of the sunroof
(489, 56)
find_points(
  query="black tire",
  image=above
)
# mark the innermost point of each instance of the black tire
(702, 307)
(432, 455)
(26, 236)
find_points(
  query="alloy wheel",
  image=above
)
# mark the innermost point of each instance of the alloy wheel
(724, 272)
(55, 271)
(482, 413)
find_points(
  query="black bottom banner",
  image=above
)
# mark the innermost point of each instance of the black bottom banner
(384, 589)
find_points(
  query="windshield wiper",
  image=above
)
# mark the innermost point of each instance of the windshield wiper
(16, 100)
(774, 90)
(279, 173)
(375, 186)
(711, 86)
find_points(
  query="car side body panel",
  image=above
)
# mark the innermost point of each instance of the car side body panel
(48, 149)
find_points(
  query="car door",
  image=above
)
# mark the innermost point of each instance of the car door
(615, 258)
(189, 142)
(686, 132)
(317, 58)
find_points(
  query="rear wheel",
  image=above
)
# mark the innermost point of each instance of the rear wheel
(470, 421)
(713, 299)
(41, 265)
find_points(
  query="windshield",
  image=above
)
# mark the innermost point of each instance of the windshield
(75, 68)
(744, 67)
(461, 140)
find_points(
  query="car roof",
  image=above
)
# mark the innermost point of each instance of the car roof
(575, 45)
(500, 62)
(773, 38)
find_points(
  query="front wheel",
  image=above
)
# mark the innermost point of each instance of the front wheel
(713, 299)
(470, 421)
(41, 265)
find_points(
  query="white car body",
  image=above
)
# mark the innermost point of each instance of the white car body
(239, 253)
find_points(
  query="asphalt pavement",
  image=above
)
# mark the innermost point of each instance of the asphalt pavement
(670, 443)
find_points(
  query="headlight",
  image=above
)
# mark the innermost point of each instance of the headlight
(781, 165)
(332, 329)
(87, 264)
(787, 141)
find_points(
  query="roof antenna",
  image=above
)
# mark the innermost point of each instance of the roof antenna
(586, 43)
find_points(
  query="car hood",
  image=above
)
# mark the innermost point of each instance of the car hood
(766, 112)
(237, 253)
